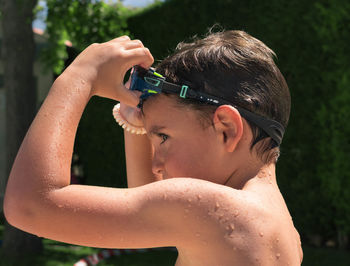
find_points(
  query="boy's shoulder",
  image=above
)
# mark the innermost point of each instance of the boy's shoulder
(204, 212)
(220, 207)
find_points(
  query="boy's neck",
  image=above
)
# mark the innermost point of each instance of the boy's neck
(241, 177)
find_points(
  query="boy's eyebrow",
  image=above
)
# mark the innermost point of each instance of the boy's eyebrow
(155, 129)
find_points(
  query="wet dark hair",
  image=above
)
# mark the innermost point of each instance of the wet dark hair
(236, 67)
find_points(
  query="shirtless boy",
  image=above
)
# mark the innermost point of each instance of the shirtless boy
(202, 178)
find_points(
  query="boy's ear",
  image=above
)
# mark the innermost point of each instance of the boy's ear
(228, 125)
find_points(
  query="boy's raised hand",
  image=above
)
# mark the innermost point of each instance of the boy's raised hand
(104, 65)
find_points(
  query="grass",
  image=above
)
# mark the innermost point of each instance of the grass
(61, 254)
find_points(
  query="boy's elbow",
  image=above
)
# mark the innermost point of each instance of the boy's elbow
(17, 211)
(11, 212)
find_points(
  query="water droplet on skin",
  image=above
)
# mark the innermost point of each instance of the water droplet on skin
(189, 200)
(277, 240)
(217, 206)
(278, 255)
(230, 228)
(235, 213)
(199, 197)
(262, 174)
(261, 234)
(60, 206)
(164, 196)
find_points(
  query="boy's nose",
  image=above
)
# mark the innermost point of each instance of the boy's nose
(157, 166)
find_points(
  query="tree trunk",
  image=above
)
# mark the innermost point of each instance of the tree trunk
(18, 52)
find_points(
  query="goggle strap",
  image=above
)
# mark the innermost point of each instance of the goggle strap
(273, 129)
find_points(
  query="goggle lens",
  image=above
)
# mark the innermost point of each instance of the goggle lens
(147, 82)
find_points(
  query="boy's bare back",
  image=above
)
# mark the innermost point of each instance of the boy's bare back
(243, 227)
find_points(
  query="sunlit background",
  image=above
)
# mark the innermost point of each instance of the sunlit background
(40, 24)
(311, 40)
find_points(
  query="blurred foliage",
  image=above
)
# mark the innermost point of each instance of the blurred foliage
(311, 40)
(332, 26)
(82, 22)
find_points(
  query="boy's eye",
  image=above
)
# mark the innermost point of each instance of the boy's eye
(163, 137)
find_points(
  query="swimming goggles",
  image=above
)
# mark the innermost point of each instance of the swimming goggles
(150, 83)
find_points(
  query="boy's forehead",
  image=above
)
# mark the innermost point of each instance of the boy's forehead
(163, 111)
(157, 112)
(158, 104)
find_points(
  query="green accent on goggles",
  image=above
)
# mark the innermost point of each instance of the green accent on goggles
(150, 82)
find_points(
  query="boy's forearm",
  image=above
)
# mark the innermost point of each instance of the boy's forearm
(44, 159)
(138, 152)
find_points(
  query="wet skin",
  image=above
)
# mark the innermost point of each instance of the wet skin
(214, 200)
(243, 225)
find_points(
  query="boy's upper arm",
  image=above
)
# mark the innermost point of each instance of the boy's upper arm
(163, 213)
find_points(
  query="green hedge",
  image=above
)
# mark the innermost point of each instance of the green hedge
(100, 145)
(311, 40)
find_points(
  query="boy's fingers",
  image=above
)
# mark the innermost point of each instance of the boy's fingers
(121, 39)
(140, 56)
(133, 44)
